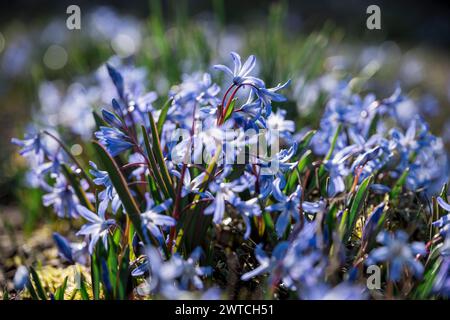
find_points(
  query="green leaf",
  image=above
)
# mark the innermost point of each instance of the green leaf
(5, 294)
(357, 204)
(303, 163)
(38, 284)
(330, 219)
(112, 263)
(153, 189)
(163, 116)
(153, 165)
(195, 226)
(230, 109)
(343, 224)
(124, 274)
(83, 291)
(270, 226)
(159, 156)
(95, 276)
(59, 294)
(373, 125)
(425, 288)
(32, 292)
(121, 187)
(132, 255)
(304, 143)
(190, 221)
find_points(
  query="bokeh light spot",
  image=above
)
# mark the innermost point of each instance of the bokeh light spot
(123, 45)
(55, 57)
(76, 149)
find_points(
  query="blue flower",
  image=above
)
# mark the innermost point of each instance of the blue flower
(223, 191)
(197, 88)
(192, 272)
(441, 283)
(62, 198)
(314, 207)
(289, 207)
(217, 207)
(267, 95)
(111, 118)
(153, 220)
(32, 145)
(343, 291)
(364, 158)
(97, 227)
(338, 170)
(277, 122)
(379, 188)
(303, 264)
(299, 264)
(372, 221)
(246, 209)
(278, 162)
(101, 178)
(240, 73)
(444, 222)
(190, 185)
(64, 249)
(117, 79)
(163, 275)
(70, 252)
(272, 168)
(398, 253)
(21, 278)
(250, 113)
(260, 107)
(53, 166)
(114, 140)
(266, 263)
(139, 161)
(423, 154)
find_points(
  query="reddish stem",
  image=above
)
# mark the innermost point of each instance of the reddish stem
(224, 98)
(135, 164)
(224, 112)
(220, 119)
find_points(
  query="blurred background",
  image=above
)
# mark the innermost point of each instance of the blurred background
(52, 76)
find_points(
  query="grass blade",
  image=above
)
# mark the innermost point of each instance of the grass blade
(306, 140)
(38, 284)
(159, 156)
(83, 291)
(95, 277)
(121, 187)
(357, 204)
(163, 116)
(153, 166)
(59, 294)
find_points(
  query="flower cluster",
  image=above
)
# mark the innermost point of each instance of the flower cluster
(366, 141)
(306, 219)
